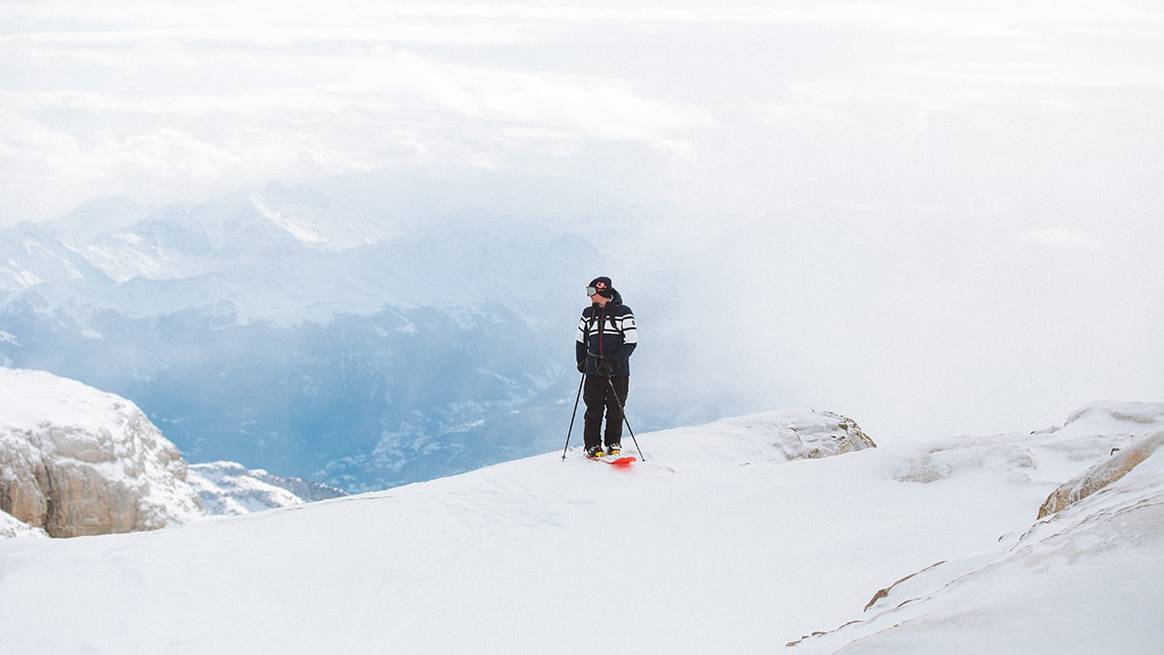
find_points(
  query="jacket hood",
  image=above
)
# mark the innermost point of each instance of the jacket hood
(616, 299)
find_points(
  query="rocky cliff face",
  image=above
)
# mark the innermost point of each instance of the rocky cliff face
(76, 461)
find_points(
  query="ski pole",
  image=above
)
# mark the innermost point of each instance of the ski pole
(573, 416)
(623, 410)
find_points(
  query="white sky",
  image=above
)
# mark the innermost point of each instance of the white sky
(928, 215)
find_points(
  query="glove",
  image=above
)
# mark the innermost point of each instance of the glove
(581, 365)
(605, 368)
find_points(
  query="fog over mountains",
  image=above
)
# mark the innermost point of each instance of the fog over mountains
(279, 330)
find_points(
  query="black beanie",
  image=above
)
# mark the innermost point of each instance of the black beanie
(604, 286)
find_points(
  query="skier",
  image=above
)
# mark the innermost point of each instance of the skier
(607, 335)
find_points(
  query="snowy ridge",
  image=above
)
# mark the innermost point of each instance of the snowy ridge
(230, 488)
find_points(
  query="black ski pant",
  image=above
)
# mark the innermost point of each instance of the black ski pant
(598, 398)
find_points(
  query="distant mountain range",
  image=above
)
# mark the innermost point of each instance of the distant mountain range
(285, 256)
(282, 331)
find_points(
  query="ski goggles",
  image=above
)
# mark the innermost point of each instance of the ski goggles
(591, 291)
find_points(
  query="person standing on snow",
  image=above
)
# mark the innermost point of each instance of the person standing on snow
(607, 335)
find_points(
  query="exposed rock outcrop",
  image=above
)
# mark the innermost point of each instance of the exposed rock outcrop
(824, 434)
(1101, 475)
(884, 592)
(77, 461)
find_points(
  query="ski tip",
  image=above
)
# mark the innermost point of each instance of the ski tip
(623, 462)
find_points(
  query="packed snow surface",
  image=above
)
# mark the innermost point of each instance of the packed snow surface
(715, 544)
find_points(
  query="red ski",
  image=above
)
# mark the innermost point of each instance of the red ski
(621, 462)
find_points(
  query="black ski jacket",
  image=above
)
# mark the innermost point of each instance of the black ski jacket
(606, 334)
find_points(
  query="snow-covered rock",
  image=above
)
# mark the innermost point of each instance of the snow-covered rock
(775, 436)
(231, 488)
(10, 527)
(1109, 417)
(1053, 454)
(942, 459)
(77, 461)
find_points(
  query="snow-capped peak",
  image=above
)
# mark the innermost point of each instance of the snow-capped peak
(302, 232)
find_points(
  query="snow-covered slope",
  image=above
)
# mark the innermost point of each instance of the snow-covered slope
(715, 544)
(1089, 578)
